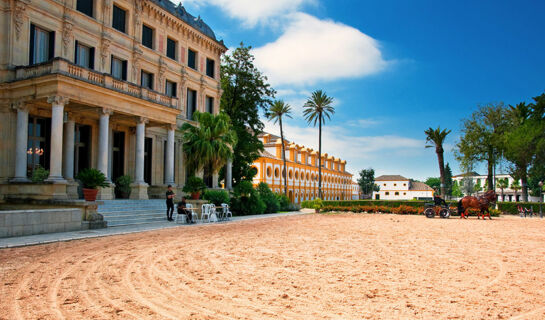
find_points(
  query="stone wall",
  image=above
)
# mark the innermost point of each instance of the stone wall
(15, 223)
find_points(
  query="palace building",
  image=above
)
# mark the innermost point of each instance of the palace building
(396, 187)
(101, 84)
(302, 169)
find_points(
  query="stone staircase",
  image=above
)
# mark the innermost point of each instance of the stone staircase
(132, 212)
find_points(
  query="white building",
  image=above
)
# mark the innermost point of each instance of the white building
(356, 191)
(509, 195)
(396, 187)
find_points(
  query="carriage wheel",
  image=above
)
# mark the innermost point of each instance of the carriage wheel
(444, 213)
(429, 212)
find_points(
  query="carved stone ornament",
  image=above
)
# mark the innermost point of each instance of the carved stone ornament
(136, 57)
(67, 34)
(57, 100)
(105, 49)
(162, 71)
(19, 16)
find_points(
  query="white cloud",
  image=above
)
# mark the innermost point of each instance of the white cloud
(364, 123)
(253, 12)
(312, 50)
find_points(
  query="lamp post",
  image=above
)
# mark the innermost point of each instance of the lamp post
(540, 198)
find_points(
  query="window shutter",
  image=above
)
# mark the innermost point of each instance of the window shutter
(51, 44)
(76, 53)
(31, 47)
(92, 58)
(125, 70)
(111, 64)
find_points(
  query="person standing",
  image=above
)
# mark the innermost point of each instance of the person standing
(170, 203)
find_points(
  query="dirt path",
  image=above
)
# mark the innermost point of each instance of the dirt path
(303, 267)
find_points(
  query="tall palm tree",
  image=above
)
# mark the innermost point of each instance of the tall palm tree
(516, 187)
(316, 110)
(503, 184)
(209, 144)
(436, 138)
(278, 110)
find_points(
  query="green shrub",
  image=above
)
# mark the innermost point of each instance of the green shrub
(123, 185)
(316, 204)
(92, 179)
(284, 201)
(511, 207)
(271, 202)
(39, 175)
(194, 185)
(216, 197)
(246, 200)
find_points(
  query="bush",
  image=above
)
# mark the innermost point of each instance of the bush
(123, 185)
(284, 201)
(271, 202)
(217, 197)
(316, 204)
(194, 185)
(511, 207)
(39, 175)
(92, 179)
(246, 200)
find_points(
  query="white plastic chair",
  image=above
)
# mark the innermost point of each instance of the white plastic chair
(213, 214)
(205, 212)
(226, 212)
(178, 214)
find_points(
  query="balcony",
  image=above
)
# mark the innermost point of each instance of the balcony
(64, 67)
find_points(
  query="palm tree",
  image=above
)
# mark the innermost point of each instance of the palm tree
(503, 184)
(516, 187)
(210, 143)
(278, 110)
(437, 137)
(316, 109)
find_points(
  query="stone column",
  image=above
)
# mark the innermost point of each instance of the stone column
(110, 152)
(103, 142)
(68, 150)
(139, 189)
(229, 175)
(21, 143)
(169, 169)
(57, 118)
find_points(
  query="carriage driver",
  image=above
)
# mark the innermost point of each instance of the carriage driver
(439, 201)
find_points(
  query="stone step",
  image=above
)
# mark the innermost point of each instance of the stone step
(133, 214)
(127, 209)
(118, 223)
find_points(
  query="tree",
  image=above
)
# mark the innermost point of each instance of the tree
(448, 180)
(468, 186)
(278, 110)
(434, 183)
(209, 143)
(515, 185)
(456, 191)
(503, 184)
(316, 110)
(477, 187)
(437, 138)
(245, 92)
(367, 181)
(481, 139)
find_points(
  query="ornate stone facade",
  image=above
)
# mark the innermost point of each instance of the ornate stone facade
(72, 97)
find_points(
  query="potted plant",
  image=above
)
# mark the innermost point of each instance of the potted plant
(123, 187)
(92, 179)
(317, 204)
(194, 186)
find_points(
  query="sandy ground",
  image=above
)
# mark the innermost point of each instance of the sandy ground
(302, 267)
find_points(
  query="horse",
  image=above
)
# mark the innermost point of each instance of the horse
(482, 203)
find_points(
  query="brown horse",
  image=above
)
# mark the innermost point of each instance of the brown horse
(482, 203)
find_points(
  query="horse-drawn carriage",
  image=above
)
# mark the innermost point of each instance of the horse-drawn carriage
(440, 207)
(432, 209)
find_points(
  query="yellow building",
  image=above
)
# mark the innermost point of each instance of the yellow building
(101, 84)
(302, 168)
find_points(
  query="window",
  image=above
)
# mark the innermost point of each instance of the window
(85, 6)
(209, 104)
(397, 193)
(171, 49)
(387, 193)
(85, 56)
(210, 65)
(119, 68)
(276, 173)
(191, 103)
(269, 172)
(170, 89)
(119, 18)
(42, 45)
(146, 80)
(395, 184)
(147, 36)
(296, 175)
(192, 59)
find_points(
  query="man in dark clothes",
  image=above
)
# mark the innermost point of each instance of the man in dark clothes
(182, 205)
(170, 203)
(439, 201)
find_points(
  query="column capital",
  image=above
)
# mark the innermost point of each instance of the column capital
(20, 105)
(142, 120)
(58, 100)
(171, 126)
(105, 111)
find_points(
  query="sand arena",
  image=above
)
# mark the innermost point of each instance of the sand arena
(299, 267)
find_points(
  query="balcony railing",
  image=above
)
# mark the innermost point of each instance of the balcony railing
(64, 67)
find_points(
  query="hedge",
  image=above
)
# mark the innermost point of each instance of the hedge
(383, 203)
(511, 207)
(402, 209)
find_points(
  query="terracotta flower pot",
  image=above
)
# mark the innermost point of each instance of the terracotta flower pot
(90, 194)
(195, 195)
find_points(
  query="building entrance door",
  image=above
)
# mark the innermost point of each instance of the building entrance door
(148, 146)
(118, 155)
(82, 148)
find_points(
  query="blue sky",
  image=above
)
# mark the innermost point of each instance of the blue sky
(394, 67)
